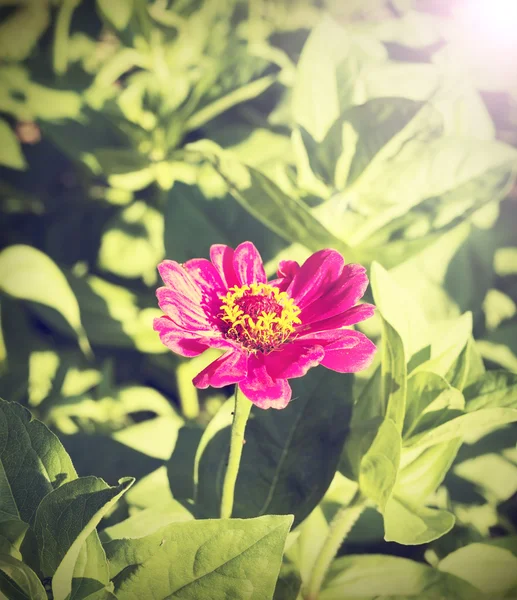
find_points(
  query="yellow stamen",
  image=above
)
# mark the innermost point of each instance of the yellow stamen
(259, 316)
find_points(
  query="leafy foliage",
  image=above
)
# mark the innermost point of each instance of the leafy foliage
(132, 131)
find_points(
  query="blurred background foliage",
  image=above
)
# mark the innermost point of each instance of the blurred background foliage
(134, 130)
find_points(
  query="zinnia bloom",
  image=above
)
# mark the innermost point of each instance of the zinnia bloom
(270, 332)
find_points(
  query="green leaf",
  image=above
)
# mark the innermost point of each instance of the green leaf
(18, 581)
(420, 475)
(494, 389)
(189, 230)
(410, 323)
(12, 534)
(376, 131)
(20, 32)
(379, 466)
(247, 92)
(430, 398)
(448, 342)
(28, 274)
(64, 520)
(492, 570)
(132, 242)
(117, 12)
(285, 215)
(196, 559)
(327, 74)
(378, 576)
(112, 315)
(147, 521)
(410, 524)
(469, 423)
(33, 463)
(11, 154)
(290, 456)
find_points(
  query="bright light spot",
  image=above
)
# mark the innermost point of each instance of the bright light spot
(489, 22)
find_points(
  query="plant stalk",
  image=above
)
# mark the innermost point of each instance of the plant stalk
(340, 527)
(240, 418)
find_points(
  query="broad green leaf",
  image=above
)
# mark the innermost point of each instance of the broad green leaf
(33, 463)
(288, 584)
(382, 128)
(429, 400)
(112, 315)
(132, 242)
(447, 342)
(281, 213)
(28, 274)
(11, 154)
(147, 521)
(273, 476)
(328, 69)
(12, 534)
(196, 559)
(379, 466)
(479, 421)
(64, 520)
(492, 570)
(407, 320)
(117, 12)
(420, 476)
(189, 230)
(377, 576)
(18, 581)
(410, 524)
(20, 32)
(494, 389)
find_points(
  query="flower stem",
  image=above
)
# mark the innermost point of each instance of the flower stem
(340, 527)
(240, 418)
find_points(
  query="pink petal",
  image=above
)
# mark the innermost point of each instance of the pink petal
(222, 259)
(262, 389)
(353, 315)
(287, 269)
(352, 352)
(176, 277)
(205, 276)
(348, 288)
(293, 360)
(248, 264)
(182, 310)
(182, 342)
(225, 370)
(315, 277)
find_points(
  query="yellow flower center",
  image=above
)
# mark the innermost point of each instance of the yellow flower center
(258, 316)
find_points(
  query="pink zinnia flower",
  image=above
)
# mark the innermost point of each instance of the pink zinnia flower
(272, 331)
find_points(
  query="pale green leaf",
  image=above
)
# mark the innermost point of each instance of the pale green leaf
(196, 559)
(11, 154)
(20, 32)
(18, 581)
(379, 466)
(29, 274)
(377, 576)
(28, 448)
(117, 12)
(64, 520)
(409, 524)
(493, 389)
(492, 570)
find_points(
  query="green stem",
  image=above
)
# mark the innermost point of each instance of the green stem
(240, 418)
(340, 527)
